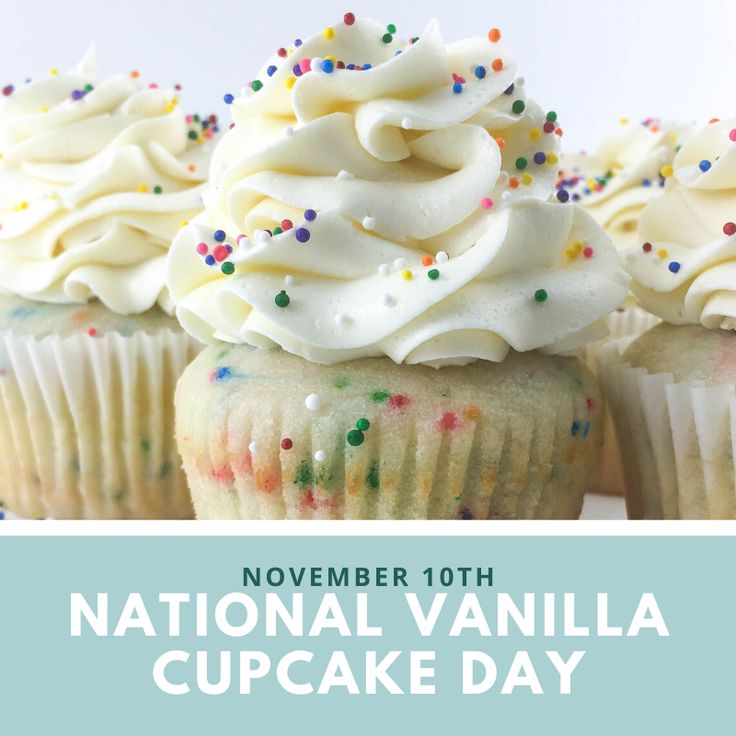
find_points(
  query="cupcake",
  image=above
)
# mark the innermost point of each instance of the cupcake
(383, 285)
(672, 390)
(96, 177)
(614, 185)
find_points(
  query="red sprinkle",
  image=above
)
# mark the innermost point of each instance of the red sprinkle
(588, 252)
(398, 401)
(348, 19)
(286, 444)
(590, 403)
(448, 421)
(646, 247)
(732, 135)
(729, 228)
(220, 253)
(92, 332)
(286, 225)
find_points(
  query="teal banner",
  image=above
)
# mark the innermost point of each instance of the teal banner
(335, 635)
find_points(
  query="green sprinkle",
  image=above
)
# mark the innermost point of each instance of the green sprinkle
(196, 118)
(304, 477)
(378, 397)
(373, 479)
(192, 135)
(521, 163)
(157, 189)
(541, 295)
(146, 445)
(391, 28)
(256, 84)
(387, 38)
(88, 88)
(552, 116)
(433, 274)
(363, 424)
(277, 230)
(518, 107)
(282, 299)
(355, 437)
(228, 268)
(342, 382)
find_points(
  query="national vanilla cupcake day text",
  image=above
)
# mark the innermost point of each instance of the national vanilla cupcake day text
(476, 619)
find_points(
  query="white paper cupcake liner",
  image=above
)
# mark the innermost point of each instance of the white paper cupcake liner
(87, 425)
(624, 325)
(677, 440)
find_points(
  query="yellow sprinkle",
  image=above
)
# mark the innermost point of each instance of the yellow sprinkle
(21, 206)
(289, 52)
(527, 178)
(329, 33)
(672, 136)
(183, 223)
(174, 101)
(552, 158)
(571, 254)
(406, 274)
(662, 253)
(2, 155)
(143, 188)
(666, 171)
(534, 133)
(577, 246)
(624, 121)
(43, 109)
(290, 82)
(53, 72)
(169, 107)
(331, 58)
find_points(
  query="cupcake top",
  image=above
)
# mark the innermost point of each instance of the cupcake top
(386, 197)
(684, 268)
(96, 177)
(616, 182)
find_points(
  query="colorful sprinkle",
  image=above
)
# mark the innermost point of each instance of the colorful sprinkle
(433, 274)
(486, 203)
(647, 247)
(355, 437)
(363, 424)
(310, 215)
(540, 295)
(729, 228)
(302, 234)
(666, 171)
(286, 444)
(674, 266)
(348, 19)
(518, 107)
(704, 165)
(282, 300)
(480, 72)
(497, 65)
(494, 35)
(219, 235)
(229, 98)
(448, 421)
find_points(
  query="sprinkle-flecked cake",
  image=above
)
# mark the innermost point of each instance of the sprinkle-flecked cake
(378, 211)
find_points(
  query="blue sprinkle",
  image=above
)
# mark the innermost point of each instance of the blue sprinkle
(646, 183)
(298, 42)
(228, 248)
(228, 99)
(367, 66)
(586, 429)
(297, 70)
(209, 260)
(457, 88)
(2, 514)
(350, 66)
(219, 235)
(480, 72)
(271, 70)
(575, 428)
(222, 373)
(674, 267)
(509, 90)
(704, 165)
(563, 195)
(328, 66)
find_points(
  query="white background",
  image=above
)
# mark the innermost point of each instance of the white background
(591, 61)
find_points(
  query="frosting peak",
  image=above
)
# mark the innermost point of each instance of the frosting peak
(377, 197)
(95, 180)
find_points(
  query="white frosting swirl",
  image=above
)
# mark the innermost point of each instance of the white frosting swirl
(616, 182)
(82, 166)
(432, 232)
(685, 269)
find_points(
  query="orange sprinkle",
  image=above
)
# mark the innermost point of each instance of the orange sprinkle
(426, 260)
(471, 412)
(135, 74)
(494, 35)
(513, 182)
(558, 131)
(192, 167)
(714, 120)
(500, 142)
(497, 65)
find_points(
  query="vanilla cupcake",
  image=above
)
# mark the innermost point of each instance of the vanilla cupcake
(614, 185)
(378, 211)
(672, 391)
(96, 177)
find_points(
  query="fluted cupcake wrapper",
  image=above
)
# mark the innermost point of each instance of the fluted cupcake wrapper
(627, 323)
(677, 441)
(436, 448)
(87, 425)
